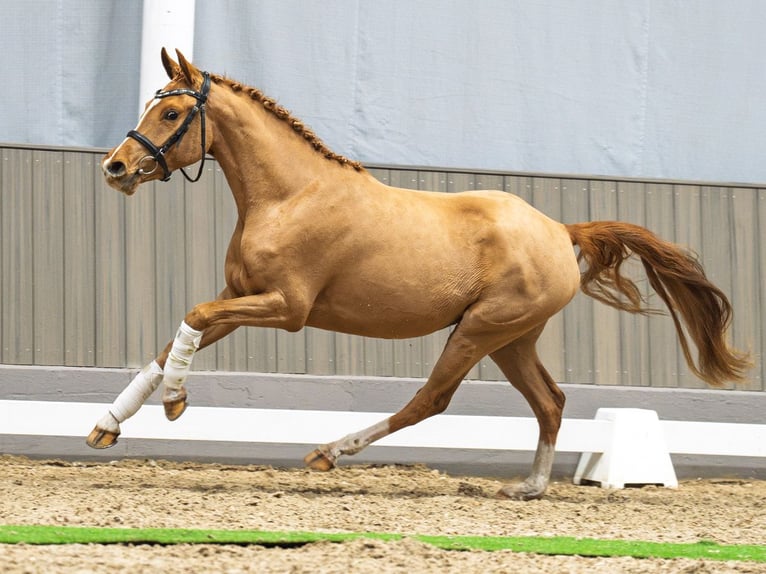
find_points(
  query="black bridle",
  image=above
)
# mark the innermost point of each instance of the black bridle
(158, 153)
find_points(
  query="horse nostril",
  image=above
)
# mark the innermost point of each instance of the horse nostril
(115, 168)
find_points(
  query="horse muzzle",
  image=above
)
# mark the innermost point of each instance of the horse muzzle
(120, 179)
(123, 177)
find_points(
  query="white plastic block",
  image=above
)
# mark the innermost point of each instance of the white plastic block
(635, 452)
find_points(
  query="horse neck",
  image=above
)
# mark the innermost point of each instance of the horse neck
(264, 160)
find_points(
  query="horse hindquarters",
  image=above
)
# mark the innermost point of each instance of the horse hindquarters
(678, 279)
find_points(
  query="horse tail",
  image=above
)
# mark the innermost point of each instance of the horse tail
(677, 277)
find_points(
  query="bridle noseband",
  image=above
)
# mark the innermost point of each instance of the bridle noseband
(158, 153)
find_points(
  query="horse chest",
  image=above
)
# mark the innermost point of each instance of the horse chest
(255, 266)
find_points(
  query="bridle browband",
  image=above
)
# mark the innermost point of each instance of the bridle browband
(158, 153)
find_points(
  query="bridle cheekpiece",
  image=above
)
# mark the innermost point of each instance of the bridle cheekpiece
(158, 153)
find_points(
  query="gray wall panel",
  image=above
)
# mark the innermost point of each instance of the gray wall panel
(688, 224)
(760, 276)
(746, 295)
(47, 257)
(110, 279)
(546, 195)
(17, 244)
(662, 359)
(602, 196)
(79, 251)
(578, 315)
(630, 354)
(91, 278)
(141, 278)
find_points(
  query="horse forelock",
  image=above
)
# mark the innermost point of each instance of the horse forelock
(284, 114)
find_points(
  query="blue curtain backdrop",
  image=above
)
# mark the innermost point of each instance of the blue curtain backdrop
(652, 88)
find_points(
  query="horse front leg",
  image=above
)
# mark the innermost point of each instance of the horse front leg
(263, 310)
(142, 386)
(176, 360)
(127, 403)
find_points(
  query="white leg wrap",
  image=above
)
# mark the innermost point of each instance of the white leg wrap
(180, 358)
(135, 394)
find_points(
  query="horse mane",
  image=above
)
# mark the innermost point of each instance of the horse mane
(284, 114)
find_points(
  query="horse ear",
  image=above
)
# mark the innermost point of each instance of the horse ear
(171, 67)
(192, 74)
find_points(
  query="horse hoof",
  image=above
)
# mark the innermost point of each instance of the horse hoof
(519, 492)
(175, 404)
(317, 460)
(101, 438)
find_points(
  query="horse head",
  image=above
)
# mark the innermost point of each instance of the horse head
(171, 133)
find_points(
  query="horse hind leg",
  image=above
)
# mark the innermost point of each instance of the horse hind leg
(460, 354)
(521, 365)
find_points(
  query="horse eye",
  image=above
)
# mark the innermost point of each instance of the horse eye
(171, 115)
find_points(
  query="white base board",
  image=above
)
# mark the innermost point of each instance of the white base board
(72, 419)
(722, 431)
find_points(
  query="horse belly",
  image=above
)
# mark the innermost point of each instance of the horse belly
(395, 310)
(377, 324)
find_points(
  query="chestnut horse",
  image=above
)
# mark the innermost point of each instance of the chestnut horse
(320, 242)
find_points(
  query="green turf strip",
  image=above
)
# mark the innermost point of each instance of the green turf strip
(538, 545)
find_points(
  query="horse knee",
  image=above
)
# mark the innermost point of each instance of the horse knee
(199, 317)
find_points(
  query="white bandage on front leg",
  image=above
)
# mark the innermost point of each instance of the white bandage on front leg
(130, 400)
(180, 357)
